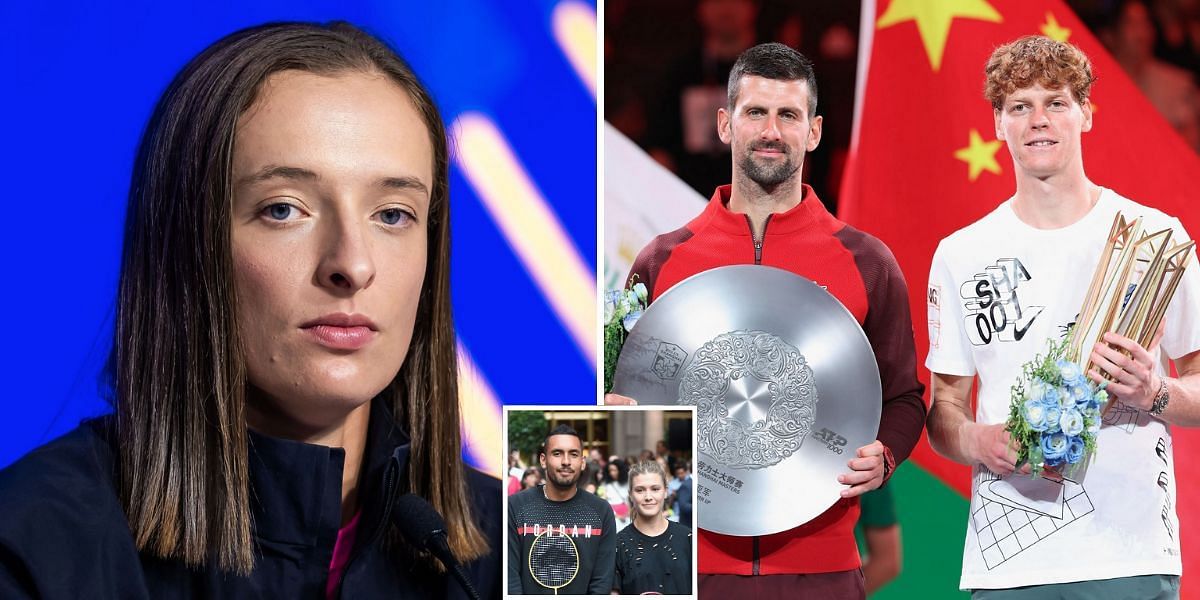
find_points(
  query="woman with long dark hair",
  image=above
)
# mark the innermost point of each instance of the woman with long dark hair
(616, 490)
(283, 365)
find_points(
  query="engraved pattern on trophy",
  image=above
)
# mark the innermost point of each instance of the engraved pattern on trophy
(755, 370)
(755, 398)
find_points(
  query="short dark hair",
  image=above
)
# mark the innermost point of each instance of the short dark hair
(562, 429)
(773, 61)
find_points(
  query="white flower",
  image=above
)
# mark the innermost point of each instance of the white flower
(1071, 422)
(639, 288)
(1070, 371)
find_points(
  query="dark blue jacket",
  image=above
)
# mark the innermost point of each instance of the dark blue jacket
(63, 533)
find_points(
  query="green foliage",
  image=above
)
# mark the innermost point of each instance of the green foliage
(614, 339)
(622, 308)
(527, 430)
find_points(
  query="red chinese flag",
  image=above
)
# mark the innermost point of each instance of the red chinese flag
(924, 160)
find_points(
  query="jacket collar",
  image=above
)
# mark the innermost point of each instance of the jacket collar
(296, 488)
(809, 212)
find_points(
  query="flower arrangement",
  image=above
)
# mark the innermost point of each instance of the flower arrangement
(1055, 411)
(622, 309)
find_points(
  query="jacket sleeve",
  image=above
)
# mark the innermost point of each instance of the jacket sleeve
(649, 262)
(514, 552)
(606, 557)
(889, 328)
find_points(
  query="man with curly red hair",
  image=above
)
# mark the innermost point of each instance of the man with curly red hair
(1006, 284)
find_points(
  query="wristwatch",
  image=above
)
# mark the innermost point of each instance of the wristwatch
(889, 464)
(1160, 399)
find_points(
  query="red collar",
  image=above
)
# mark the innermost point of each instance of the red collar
(807, 213)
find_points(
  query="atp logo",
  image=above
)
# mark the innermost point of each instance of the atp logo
(993, 310)
(834, 442)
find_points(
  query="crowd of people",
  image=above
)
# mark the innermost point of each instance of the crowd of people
(1157, 43)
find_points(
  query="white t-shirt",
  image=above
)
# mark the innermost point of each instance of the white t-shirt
(998, 290)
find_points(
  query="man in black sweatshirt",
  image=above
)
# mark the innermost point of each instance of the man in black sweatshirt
(560, 540)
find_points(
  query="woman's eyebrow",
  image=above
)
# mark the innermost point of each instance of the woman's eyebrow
(404, 183)
(301, 174)
(281, 172)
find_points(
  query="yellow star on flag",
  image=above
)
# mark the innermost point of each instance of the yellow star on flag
(933, 19)
(979, 155)
(1053, 30)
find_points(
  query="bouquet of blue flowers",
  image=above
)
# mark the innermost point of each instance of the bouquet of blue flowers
(1055, 411)
(622, 308)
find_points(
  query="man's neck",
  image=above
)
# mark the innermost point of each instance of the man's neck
(652, 526)
(759, 203)
(349, 434)
(557, 494)
(1056, 201)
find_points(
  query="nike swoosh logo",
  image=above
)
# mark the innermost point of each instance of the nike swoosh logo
(1023, 324)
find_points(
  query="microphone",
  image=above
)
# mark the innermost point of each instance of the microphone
(422, 525)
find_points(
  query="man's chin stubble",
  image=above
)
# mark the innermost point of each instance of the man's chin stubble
(560, 487)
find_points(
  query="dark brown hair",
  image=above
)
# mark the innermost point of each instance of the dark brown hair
(1037, 59)
(177, 368)
(773, 61)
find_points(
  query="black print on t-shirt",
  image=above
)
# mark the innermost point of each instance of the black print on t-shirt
(994, 311)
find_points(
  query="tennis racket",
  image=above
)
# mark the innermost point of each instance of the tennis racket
(553, 561)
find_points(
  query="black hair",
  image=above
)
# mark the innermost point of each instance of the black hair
(622, 471)
(561, 429)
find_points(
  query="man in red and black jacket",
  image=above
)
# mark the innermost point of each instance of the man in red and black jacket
(768, 217)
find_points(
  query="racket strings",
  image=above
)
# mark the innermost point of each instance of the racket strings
(553, 560)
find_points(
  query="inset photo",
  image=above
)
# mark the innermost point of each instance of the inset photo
(600, 501)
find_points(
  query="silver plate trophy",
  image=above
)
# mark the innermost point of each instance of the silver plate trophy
(785, 386)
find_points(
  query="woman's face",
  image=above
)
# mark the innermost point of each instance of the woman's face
(331, 180)
(648, 493)
(613, 471)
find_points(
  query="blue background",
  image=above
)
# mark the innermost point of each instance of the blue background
(80, 81)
